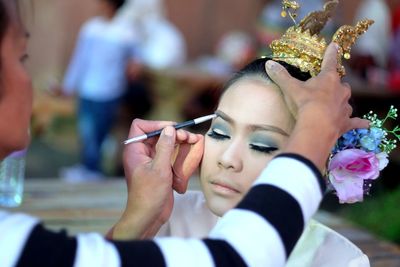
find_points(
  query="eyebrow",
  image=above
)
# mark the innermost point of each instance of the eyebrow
(253, 127)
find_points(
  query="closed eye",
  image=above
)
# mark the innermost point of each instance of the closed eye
(263, 149)
(218, 135)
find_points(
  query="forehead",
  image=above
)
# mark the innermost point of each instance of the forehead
(256, 101)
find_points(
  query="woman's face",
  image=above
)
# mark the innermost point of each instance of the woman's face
(252, 124)
(15, 91)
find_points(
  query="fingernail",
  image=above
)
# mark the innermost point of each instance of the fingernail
(169, 131)
(270, 65)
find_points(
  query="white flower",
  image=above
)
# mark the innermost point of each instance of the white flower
(383, 160)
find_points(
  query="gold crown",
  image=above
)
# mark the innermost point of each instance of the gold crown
(301, 45)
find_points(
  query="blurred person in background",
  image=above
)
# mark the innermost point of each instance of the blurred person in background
(370, 53)
(162, 45)
(97, 73)
(233, 51)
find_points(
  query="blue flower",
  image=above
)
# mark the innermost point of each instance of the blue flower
(377, 133)
(368, 143)
(350, 139)
(362, 132)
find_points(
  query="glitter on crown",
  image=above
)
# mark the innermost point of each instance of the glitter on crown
(301, 45)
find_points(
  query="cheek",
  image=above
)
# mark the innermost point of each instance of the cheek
(17, 105)
(209, 157)
(253, 167)
(24, 93)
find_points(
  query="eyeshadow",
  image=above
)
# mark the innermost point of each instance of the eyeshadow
(263, 139)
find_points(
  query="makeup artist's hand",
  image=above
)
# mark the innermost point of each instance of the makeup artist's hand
(325, 93)
(153, 168)
(319, 104)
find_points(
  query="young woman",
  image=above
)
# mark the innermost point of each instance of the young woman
(253, 125)
(25, 242)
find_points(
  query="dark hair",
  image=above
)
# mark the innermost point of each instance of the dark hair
(257, 68)
(116, 3)
(4, 21)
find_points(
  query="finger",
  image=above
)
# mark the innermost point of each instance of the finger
(165, 150)
(279, 75)
(140, 127)
(187, 161)
(194, 138)
(183, 136)
(349, 110)
(329, 63)
(347, 91)
(181, 177)
(144, 148)
(347, 85)
(357, 123)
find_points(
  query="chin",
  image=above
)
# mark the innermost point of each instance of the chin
(19, 144)
(23, 142)
(219, 207)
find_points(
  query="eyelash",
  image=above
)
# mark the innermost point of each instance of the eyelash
(217, 136)
(262, 149)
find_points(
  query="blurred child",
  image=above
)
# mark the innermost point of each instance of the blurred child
(97, 73)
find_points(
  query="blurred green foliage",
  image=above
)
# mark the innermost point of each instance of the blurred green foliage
(379, 214)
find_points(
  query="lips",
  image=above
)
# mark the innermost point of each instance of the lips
(222, 187)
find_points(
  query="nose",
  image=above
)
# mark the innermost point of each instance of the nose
(231, 157)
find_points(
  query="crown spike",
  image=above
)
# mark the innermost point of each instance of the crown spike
(316, 21)
(347, 35)
(288, 5)
(303, 47)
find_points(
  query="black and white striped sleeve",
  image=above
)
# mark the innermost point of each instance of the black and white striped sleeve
(261, 231)
(266, 225)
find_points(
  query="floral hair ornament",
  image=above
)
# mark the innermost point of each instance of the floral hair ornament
(359, 156)
(302, 46)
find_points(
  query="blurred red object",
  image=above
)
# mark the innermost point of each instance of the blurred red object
(394, 80)
(396, 18)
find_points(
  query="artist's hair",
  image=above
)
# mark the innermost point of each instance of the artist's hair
(4, 22)
(256, 68)
(116, 3)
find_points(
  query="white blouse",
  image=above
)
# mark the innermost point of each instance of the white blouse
(319, 246)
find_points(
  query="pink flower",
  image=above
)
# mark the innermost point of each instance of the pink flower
(347, 171)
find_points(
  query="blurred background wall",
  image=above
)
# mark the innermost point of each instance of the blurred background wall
(54, 25)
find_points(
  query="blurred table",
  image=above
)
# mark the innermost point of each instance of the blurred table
(96, 207)
(76, 207)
